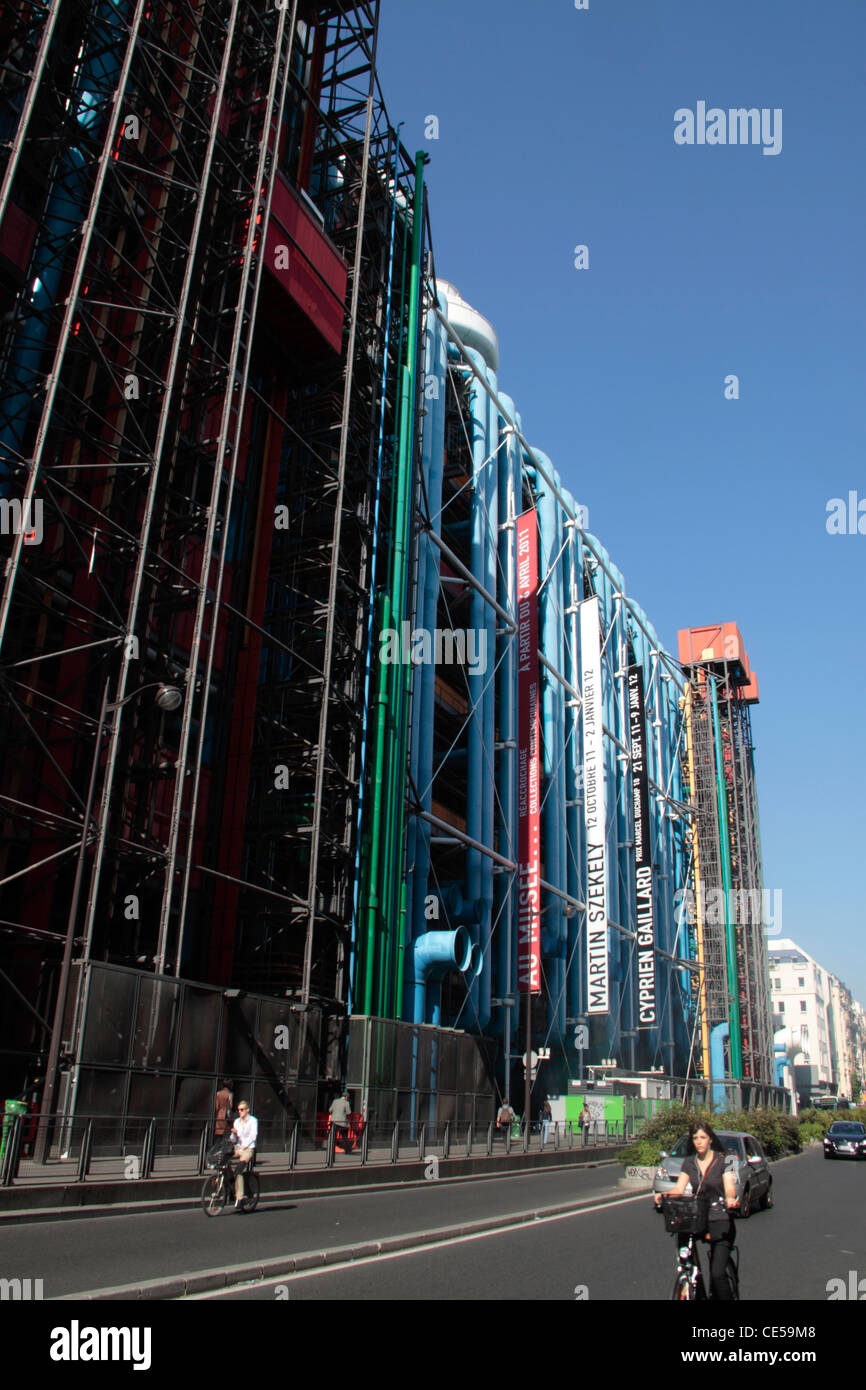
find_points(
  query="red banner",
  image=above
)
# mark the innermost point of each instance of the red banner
(528, 848)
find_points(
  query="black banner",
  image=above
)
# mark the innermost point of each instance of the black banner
(643, 868)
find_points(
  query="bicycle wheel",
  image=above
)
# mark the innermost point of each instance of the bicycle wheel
(251, 1192)
(213, 1194)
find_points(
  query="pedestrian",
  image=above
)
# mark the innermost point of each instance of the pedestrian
(504, 1117)
(339, 1112)
(222, 1108)
(245, 1133)
(546, 1121)
(585, 1122)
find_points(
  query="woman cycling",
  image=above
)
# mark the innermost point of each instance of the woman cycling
(712, 1173)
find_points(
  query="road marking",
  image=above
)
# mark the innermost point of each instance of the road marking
(414, 1250)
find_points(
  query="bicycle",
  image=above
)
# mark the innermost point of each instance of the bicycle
(218, 1188)
(686, 1217)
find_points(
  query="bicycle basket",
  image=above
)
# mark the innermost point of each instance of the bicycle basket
(218, 1153)
(686, 1216)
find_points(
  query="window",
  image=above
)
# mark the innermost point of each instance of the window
(801, 982)
(802, 1007)
(781, 1006)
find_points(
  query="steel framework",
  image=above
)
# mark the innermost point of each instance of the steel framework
(201, 448)
(728, 920)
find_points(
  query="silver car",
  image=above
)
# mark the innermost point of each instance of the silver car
(754, 1180)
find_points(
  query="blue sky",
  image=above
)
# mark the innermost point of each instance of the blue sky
(556, 128)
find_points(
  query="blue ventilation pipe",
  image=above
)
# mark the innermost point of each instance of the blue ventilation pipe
(479, 736)
(505, 882)
(717, 1064)
(490, 579)
(433, 955)
(458, 908)
(424, 686)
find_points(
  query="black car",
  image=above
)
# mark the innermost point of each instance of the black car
(845, 1139)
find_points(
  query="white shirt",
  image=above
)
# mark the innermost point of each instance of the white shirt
(246, 1131)
(339, 1110)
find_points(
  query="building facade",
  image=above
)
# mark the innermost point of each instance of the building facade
(800, 990)
(338, 748)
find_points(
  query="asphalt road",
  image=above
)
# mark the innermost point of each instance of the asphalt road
(85, 1254)
(816, 1232)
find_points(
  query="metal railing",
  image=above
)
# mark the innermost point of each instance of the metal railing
(82, 1148)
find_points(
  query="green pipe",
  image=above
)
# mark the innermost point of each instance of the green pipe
(384, 866)
(722, 797)
(394, 899)
(374, 841)
(376, 876)
(380, 870)
(368, 941)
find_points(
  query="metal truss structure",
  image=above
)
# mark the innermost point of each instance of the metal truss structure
(731, 987)
(747, 888)
(199, 354)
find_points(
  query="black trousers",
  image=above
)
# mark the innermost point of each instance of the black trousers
(721, 1245)
(342, 1138)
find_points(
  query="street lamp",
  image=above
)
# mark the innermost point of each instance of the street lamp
(168, 698)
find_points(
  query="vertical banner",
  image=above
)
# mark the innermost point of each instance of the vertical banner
(594, 811)
(528, 848)
(643, 868)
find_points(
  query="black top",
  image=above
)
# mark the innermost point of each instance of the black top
(711, 1182)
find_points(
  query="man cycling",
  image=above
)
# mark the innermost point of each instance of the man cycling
(245, 1133)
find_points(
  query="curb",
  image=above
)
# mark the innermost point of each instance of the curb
(179, 1286)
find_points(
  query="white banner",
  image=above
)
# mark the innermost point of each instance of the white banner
(594, 811)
